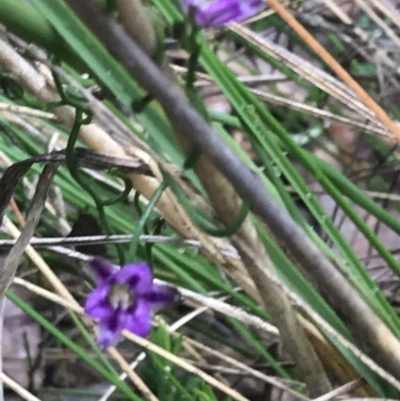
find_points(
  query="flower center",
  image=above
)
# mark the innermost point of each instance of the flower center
(121, 296)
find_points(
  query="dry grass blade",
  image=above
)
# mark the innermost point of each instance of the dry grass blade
(375, 52)
(347, 388)
(7, 273)
(37, 84)
(314, 111)
(12, 261)
(380, 114)
(379, 21)
(229, 310)
(388, 9)
(301, 106)
(245, 368)
(21, 391)
(17, 109)
(116, 239)
(49, 207)
(313, 74)
(136, 379)
(8, 182)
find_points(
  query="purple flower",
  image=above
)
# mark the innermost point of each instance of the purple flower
(220, 12)
(124, 299)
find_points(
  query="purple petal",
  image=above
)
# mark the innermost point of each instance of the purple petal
(102, 269)
(191, 3)
(250, 8)
(220, 12)
(207, 19)
(160, 296)
(97, 304)
(111, 329)
(137, 275)
(138, 319)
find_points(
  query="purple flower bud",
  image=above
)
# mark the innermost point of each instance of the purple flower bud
(124, 299)
(220, 12)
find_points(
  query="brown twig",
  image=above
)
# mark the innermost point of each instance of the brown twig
(14, 207)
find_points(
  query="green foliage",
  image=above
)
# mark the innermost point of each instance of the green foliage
(271, 132)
